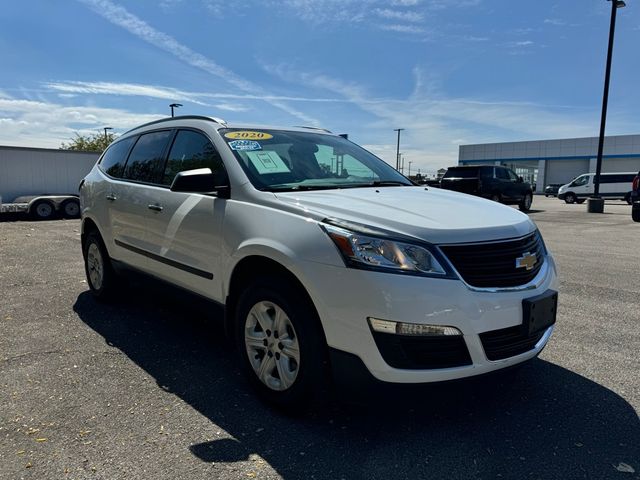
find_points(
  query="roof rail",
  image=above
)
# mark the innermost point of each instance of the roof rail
(180, 117)
(313, 128)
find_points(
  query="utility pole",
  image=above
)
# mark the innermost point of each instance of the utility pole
(398, 148)
(596, 204)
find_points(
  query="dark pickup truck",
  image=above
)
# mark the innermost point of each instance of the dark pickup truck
(494, 182)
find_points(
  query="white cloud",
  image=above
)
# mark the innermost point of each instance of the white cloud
(47, 124)
(231, 107)
(398, 15)
(118, 15)
(403, 28)
(435, 123)
(168, 93)
(554, 21)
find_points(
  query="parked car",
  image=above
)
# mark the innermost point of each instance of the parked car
(325, 258)
(614, 186)
(551, 190)
(497, 183)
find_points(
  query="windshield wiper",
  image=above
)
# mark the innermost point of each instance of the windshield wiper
(381, 183)
(298, 188)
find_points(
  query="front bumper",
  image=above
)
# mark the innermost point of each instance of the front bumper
(345, 298)
(562, 195)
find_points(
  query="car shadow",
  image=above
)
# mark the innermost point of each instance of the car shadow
(544, 422)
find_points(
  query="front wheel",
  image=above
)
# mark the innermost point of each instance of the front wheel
(570, 198)
(280, 343)
(525, 203)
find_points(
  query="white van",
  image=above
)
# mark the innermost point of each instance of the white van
(615, 186)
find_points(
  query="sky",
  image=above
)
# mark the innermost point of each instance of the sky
(449, 72)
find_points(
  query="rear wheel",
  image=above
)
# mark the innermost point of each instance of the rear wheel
(570, 198)
(97, 265)
(280, 343)
(70, 208)
(42, 210)
(525, 203)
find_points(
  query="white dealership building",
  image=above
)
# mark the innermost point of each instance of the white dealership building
(556, 161)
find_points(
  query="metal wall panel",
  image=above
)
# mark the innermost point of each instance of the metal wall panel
(621, 164)
(563, 171)
(27, 171)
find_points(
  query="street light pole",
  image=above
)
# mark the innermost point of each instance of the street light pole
(398, 148)
(410, 162)
(106, 138)
(174, 105)
(596, 203)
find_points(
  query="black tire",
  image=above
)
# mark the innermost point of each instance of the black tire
(570, 198)
(628, 198)
(525, 203)
(635, 212)
(495, 197)
(43, 210)
(580, 201)
(70, 208)
(101, 277)
(305, 380)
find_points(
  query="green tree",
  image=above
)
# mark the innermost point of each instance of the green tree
(95, 142)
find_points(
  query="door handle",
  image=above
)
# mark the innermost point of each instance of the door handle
(156, 208)
(111, 197)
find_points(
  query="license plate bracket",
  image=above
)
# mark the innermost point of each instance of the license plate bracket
(539, 312)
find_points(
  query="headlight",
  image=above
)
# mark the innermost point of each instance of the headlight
(364, 251)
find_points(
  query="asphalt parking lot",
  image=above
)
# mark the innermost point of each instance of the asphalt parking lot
(146, 387)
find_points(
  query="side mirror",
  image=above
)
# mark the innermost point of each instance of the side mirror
(200, 180)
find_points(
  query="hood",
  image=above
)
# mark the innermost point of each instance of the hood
(430, 214)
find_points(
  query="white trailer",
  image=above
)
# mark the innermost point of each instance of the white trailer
(42, 182)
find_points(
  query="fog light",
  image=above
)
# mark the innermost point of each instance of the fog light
(400, 328)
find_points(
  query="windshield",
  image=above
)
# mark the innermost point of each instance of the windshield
(279, 160)
(579, 181)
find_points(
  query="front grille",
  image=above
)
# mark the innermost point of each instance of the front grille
(493, 265)
(422, 352)
(508, 342)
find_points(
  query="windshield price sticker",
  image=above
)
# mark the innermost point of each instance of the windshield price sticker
(267, 161)
(248, 135)
(244, 145)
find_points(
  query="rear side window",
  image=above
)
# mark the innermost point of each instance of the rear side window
(147, 157)
(486, 172)
(193, 150)
(115, 157)
(617, 178)
(461, 173)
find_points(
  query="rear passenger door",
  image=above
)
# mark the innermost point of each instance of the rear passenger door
(133, 197)
(184, 232)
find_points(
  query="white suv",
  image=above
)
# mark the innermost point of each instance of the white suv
(325, 258)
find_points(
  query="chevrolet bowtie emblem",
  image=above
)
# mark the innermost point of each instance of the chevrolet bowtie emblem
(527, 261)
